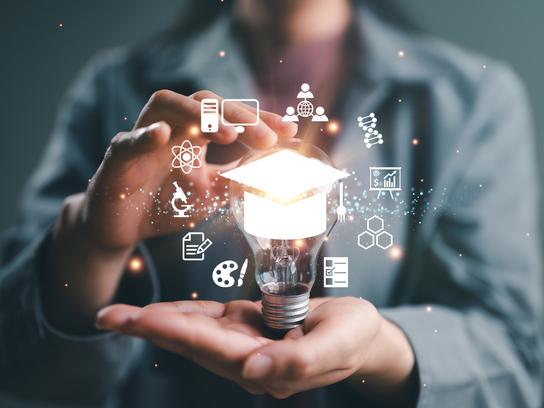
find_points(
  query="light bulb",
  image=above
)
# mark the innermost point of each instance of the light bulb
(279, 199)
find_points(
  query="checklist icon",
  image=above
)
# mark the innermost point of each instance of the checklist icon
(193, 246)
(335, 270)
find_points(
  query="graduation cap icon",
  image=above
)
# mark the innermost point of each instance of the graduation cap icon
(285, 194)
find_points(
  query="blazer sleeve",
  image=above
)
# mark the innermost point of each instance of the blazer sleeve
(38, 361)
(473, 314)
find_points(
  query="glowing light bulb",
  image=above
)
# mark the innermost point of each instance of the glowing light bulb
(279, 200)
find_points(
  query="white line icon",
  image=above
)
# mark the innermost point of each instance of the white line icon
(368, 124)
(186, 157)
(194, 245)
(209, 115)
(222, 274)
(375, 235)
(305, 108)
(239, 127)
(179, 195)
(385, 179)
(341, 209)
(335, 272)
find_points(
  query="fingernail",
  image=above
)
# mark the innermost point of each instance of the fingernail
(258, 366)
(98, 318)
(153, 126)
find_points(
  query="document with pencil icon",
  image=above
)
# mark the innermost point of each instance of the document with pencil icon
(193, 246)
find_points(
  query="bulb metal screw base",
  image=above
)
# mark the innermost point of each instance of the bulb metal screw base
(285, 312)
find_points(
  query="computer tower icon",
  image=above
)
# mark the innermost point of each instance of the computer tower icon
(209, 115)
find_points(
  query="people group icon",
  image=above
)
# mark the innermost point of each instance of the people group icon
(305, 108)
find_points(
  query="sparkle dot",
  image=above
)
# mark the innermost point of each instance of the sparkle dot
(135, 264)
(415, 141)
(457, 151)
(429, 308)
(61, 25)
(436, 330)
(333, 127)
(395, 252)
(221, 53)
(122, 196)
(363, 381)
(281, 61)
(424, 385)
(156, 365)
(528, 234)
(400, 100)
(460, 255)
(484, 66)
(401, 54)
(194, 295)
(194, 130)
(191, 225)
(125, 118)
(66, 284)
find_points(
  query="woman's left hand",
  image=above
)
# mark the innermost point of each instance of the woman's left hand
(340, 338)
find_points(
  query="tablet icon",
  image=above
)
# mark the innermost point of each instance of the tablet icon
(194, 245)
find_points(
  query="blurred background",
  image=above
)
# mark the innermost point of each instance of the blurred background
(44, 44)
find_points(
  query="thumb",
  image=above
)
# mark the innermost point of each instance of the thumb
(126, 146)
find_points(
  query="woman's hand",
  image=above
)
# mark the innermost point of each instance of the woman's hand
(128, 200)
(341, 338)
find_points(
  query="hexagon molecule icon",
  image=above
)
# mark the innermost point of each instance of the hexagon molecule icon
(374, 224)
(384, 240)
(365, 240)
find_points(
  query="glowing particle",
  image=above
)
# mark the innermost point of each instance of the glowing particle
(156, 365)
(415, 141)
(281, 61)
(396, 252)
(333, 127)
(363, 381)
(125, 118)
(122, 196)
(399, 100)
(429, 308)
(436, 330)
(65, 284)
(61, 25)
(401, 53)
(221, 53)
(135, 264)
(194, 295)
(193, 130)
(484, 66)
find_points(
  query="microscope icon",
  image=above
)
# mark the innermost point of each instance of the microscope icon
(181, 211)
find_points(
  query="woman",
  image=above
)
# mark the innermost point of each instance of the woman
(455, 320)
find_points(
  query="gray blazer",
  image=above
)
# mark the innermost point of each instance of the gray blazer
(467, 229)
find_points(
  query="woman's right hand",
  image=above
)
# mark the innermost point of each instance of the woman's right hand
(128, 199)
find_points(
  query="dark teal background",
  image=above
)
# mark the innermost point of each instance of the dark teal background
(38, 59)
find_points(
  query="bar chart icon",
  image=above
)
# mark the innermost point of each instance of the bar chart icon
(385, 179)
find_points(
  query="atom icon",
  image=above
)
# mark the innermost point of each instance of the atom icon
(186, 157)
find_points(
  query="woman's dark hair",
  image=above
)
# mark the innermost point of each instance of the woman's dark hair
(198, 14)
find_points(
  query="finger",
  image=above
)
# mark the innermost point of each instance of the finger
(208, 308)
(269, 126)
(114, 316)
(190, 334)
(128, 145)
(298, 357)
(182, 112)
